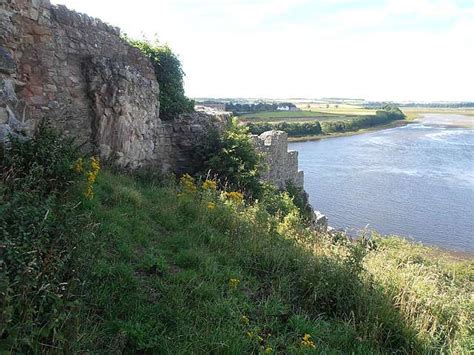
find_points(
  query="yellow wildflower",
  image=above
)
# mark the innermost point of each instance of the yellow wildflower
(235, 196)
(187, 182)
(245, 319)
(79, 166)
(211, 205)
(209, 185)
(233, 283)
(89, 193)
(307, 341)
(250, 334)
(91, 177)
(95, 164)
(268, 350)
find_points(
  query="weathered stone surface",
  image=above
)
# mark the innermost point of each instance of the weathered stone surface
(49, 46)
(78, 73)
(320, 222)
(7, 64)
(3, 115)
(124, 119)
(281, 165)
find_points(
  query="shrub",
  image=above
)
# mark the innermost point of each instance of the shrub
(169, 74)
(42, 164)
(37, 229)
(232, 158)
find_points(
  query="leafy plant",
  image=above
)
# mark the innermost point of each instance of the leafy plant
(169, 73)
(37, 230)
(232, 157)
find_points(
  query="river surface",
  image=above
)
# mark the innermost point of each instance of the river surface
(415, 181)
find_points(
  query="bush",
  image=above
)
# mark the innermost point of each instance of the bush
(232, 158)
(294, 129)
(169, 74)
(37, 226)
(42, 164)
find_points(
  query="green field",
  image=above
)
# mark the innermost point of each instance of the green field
(343, 112)
(314, 114)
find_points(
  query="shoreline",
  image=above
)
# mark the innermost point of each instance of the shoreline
(434, 250)
(394, 124)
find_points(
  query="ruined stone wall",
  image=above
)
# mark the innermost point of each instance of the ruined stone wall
(282, 168)
(281, 165)
(78, 73)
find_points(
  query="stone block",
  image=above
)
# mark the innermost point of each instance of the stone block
(3, 115)
(7, 63)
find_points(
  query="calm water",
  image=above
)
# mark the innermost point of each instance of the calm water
(415, 181)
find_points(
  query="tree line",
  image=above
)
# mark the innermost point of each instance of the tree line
(386, 115)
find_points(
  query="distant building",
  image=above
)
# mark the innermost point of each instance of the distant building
(287, 108)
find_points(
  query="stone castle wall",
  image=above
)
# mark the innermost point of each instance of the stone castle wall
(78, 73)
(281, 164)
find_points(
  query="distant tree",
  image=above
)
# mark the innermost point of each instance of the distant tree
(169, 74)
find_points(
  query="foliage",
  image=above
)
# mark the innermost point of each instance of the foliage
(240, 108)
(232, 158)
(37, 229)
(294, 129)
(169, 74)
(40, 165)
(385, 115)
(171, 275)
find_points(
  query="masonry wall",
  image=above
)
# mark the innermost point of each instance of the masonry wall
(78, 73)
(281, 164)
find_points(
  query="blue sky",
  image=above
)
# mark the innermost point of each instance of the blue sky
(379, 50)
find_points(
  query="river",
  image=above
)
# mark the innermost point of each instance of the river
(415, 181)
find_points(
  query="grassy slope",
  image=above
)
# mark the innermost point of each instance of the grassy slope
(157, 268)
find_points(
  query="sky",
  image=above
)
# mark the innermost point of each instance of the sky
(398, 50)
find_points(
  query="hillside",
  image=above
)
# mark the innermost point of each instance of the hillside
(119, 263)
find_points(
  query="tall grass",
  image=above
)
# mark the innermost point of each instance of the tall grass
(159, 270)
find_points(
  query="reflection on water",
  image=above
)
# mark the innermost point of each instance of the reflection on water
(415, 181)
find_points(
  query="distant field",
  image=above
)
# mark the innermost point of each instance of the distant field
(415, 112)
(340, 110)
(306, 116)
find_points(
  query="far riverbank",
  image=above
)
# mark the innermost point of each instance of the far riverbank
(393, 124)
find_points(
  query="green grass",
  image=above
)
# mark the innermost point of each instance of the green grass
(149, 272)
(156, 270)
(299, 116)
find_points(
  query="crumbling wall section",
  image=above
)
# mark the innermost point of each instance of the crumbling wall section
(281, 165)
(78, 73)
